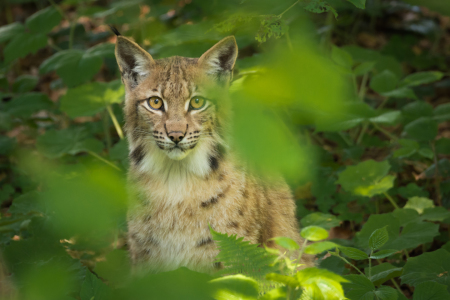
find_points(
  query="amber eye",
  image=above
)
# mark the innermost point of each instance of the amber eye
(155, 102)
(197, 102)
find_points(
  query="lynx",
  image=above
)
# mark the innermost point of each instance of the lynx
(183, 175)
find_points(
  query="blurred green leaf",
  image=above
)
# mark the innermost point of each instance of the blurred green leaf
(422, 129)
(235, 287)
(383, 82)
(363, 68)
(7, 145)
(403, 92)
(286, 243)
(320, 247)
(326, 221)
(368, 178)
(421, 78)
(341, 57)
(25, 204)
(91, 98)
(431, 266)
(115, 267)
(320, 284)
(43, 20)
(443, 146)
(415, 110)
(419, 204)
(25, 83)
(23, 44)
(358, 288)
(388, 118)
(56, 143)
(27, 104)
(435, 214)
(378, 238)
(409, 147)
(354, 253)
(442, 112)
(314, 233)
(9, 31)
(358, 3)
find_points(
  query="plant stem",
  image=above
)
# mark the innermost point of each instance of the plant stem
(383, 103)
(280, 15)
(288, 40)
(106, 130)
(370, 265)
(115, 122)
(72, 30)
(384, 131)
(346, 140)
(361, 134)
(391, 200)
(354, 267)
(301, 250)
(437, 178)
(362, 88)
(103, 160)
(396, 285)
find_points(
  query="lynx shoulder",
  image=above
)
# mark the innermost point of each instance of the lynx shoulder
(183, 175)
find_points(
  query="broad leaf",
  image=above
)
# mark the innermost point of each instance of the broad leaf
(419, 78)
(359, 288)
(383, 272)
(326, 221)
(286, 243)
(408, 148)
(383, 82)
(320, 247)
(367, 178)
(27, 104)
(23, 44)
(92, 98)
(419, 204)
(314, 233)
(378, 238)
(383, 253)
(386, 293)
(354, 253)
(363, 68)
(25, 83)
(9, 31)
(430, 266)
(341, 57)
(44, 20)
(422, 129)
(321, 284)
(388, 118)
(358, 3)
(94, 288)
(431, 291)
(235, 287)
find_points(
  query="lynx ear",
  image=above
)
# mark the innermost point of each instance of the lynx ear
(219, 60)
(134, 62)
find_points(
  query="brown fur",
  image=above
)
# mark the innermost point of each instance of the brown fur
(177, 193)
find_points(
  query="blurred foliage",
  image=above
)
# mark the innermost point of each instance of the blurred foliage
(348, 99)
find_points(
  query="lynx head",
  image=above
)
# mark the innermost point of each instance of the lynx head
(175, 107)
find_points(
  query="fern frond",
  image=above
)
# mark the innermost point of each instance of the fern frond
(241, 257)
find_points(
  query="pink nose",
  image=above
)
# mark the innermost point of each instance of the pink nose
(176, 136)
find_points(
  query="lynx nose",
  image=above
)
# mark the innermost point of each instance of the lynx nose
(176, 136)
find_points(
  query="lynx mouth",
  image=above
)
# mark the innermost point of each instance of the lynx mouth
(177, 152)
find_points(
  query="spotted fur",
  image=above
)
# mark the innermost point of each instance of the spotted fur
(178, 190)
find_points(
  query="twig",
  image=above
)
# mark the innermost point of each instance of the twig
(384, 131)
(103, 160)
(280, 15)
(116, 123)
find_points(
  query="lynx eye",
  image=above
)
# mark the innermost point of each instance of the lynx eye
(155, 102)
(197, 102)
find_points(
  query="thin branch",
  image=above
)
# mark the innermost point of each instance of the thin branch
(280, 15)
(391, 200)
(116, 123)
(103, 160)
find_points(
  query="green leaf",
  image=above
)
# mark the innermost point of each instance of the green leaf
(430, 266)
(414, 234)
(431, 291)
(419, 78)
(314, 233)
(320, 284)
(25, 204)
(419, 204)
(90, 144)
(235, 287)
(286, 243)
(409, 147)
(383, 253)
(94, 288)
(92, 98)
(403, 92)
(7, 145)
(74, 66)
(378, 238)
(55, 143)
(442, 112)
(27, 104)
(25, 83)
(422, 129)
(383, 272)
(383, 82)
(359, 288)
(363, 68)
(435, 214)
(43, 21)
(9, 31)
(358, 3)
(354, 253)
(320, 247)
(426, 152)
(386, 293)
(325, 221)
(415, 110)
(367, 178)
(387, 118)
(443, 146)
(23, 44)
(341, 57)
(283, 279)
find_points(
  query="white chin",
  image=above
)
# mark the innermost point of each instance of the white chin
(177, 154)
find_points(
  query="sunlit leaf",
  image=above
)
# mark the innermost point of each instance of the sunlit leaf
(326, 221)
(383, 253)
(354, 253)
(286, 243)
(320, 247)
(419, 204)
(421, 78)
(378, 238)
(235, 287)
(314, 233)
(321, 284)
(9, 31)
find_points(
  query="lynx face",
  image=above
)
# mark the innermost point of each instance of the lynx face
(175, 107)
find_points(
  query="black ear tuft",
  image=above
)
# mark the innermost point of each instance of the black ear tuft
(114, 29)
